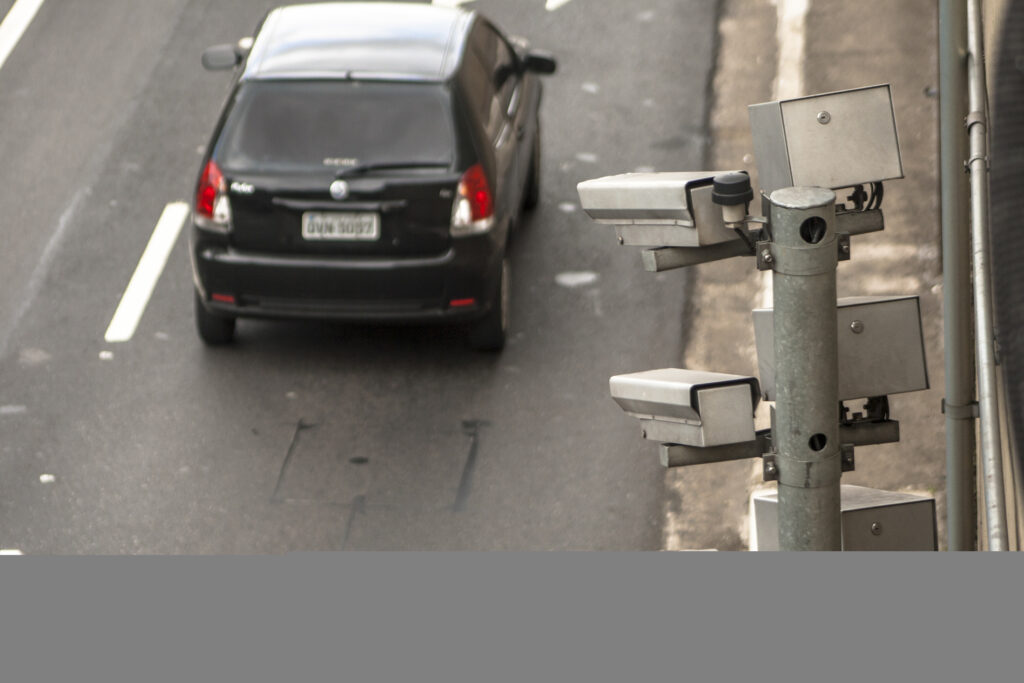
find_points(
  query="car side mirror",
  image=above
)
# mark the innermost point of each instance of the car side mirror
(220, 57)
(540, 62)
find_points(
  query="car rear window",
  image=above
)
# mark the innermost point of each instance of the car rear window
(301, 125)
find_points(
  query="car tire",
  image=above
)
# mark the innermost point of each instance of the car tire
(489, 333)
(214, 329)
(531, 195)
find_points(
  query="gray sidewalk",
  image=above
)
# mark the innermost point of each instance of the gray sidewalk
(848, 44)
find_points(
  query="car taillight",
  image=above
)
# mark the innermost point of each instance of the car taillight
(473, 211)
(213, 210)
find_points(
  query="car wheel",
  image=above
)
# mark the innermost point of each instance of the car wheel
(213, 329)
(488, 334)
(531, 195)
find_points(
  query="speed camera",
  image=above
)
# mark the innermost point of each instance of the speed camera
(689, 407)
(677, 209)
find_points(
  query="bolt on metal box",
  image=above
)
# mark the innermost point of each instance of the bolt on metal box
(880, 344)
(689, 407)
(870, 520)
(657, 209)
(831, 140)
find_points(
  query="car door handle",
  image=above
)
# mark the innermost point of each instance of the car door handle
(520, 132)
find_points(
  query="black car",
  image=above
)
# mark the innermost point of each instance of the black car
(369, 164)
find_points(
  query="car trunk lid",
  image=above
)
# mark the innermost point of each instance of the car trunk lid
(401, 214)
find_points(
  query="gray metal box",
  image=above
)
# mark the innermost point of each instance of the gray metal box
(831, 140)
(886, 356)
(871, 520)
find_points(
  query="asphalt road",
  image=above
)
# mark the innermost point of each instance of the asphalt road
(321, 436)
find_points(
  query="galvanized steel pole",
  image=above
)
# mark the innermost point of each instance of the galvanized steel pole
(977, 128)
(804, 254)
(958, 331)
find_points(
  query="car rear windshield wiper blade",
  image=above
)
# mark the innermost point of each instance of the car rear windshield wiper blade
(388, 166)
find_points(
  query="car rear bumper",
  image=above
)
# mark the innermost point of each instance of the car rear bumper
(422, 289)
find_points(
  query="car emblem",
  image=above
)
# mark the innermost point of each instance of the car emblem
(339, 189)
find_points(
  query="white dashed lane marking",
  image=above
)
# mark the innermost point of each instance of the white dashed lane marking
(15, 24)
(151, 265)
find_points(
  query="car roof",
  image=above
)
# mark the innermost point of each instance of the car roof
(374, 40)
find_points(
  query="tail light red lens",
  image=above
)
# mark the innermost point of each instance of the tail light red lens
(213, 210)
(474, 187)
(210, 184)
(473, 211)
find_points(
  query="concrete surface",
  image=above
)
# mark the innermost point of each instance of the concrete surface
(846, 45)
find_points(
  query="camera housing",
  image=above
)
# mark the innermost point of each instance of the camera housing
(689, 407)
(672, 209)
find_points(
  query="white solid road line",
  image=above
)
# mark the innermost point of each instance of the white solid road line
(14, 25)
(151, 265)
(791, 40)
(791, 34)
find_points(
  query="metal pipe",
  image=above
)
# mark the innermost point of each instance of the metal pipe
(958, 336)
(804, 254)
(977, 128)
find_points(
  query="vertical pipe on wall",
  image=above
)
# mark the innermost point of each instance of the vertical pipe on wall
(977, 128)
(961, 500)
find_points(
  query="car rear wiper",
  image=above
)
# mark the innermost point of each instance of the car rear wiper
(389, 165)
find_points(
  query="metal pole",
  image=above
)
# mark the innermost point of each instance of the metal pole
(803, 256)
(991, 446)
(961, 500)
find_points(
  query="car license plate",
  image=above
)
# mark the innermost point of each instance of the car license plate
(341, 226)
